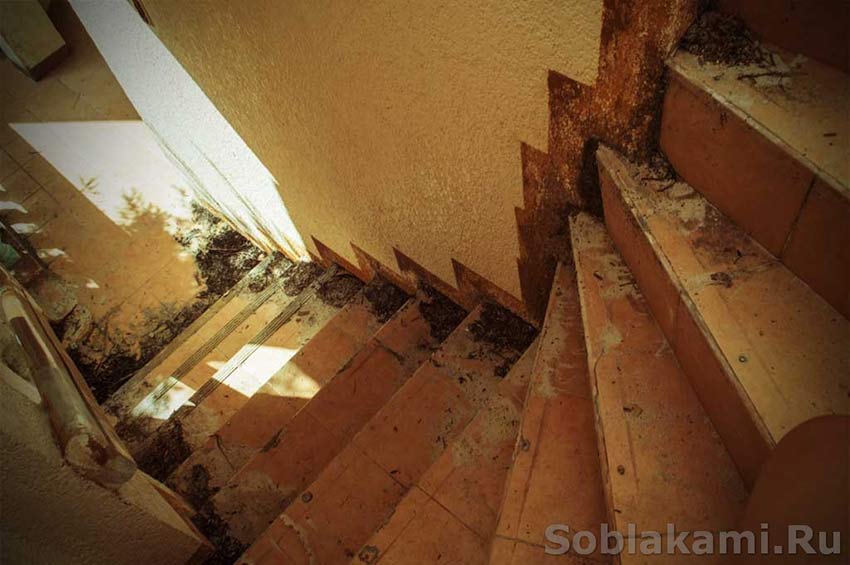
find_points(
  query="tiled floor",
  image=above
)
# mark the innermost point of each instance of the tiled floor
(84, 179)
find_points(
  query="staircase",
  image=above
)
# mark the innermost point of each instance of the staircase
(312, 419)
(712, 304)
(300, 390)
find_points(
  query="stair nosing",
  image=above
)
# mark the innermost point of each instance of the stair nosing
(463, 326)
(192, 329)
(374, 337)
(698, 86)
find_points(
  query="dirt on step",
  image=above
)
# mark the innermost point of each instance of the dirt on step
(134, 430)
(198, 490)
(109, 352)
(502, 328)
(300, 276)
(442, 315)
(109, 356)
(227, 548)
(724, 39)
(658, 168)
(166, 451)
(384, 298)
(277, 270)
(339, 289)
(223, 256)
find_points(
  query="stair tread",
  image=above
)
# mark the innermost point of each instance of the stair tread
(555, 476)
(807, 92)
(361, 486)
(176, 387)
(750, 309)
(663, 462)
(300, 449)
(772, 158)
(195, 347)
(451, 513)
(274, 334)
(255, 423)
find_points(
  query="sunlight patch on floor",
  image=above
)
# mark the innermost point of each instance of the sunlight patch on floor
(164, 400)
(262, 365)
(117, 165)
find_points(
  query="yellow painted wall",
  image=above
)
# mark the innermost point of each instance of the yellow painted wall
(389, 123)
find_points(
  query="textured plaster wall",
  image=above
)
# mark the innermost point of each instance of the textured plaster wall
(217, 163)
(390, 123)
(52, 515)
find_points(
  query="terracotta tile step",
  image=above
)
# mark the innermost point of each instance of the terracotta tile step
(555, 476)
(297, 452)
(177, 386)
(281, 334)
(328, 352)
(359, 489)
(768, 147)
(194, 343)
(763, 351)
(662, 461)
(450, 515)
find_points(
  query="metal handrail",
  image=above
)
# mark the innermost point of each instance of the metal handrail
(88, 442)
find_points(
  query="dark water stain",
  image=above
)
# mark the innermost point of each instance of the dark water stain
(227, 548)
(198, 489)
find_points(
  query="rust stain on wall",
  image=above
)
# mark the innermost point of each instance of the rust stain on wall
(621, 110)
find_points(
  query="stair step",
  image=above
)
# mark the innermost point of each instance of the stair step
(555, 476)
(297, 452)
(769, 148)
(277, 334)
(360, 488)
(187, 353)
(451, 514)
(662, 460)
(816, 29)
(339, 341)
(763, 351)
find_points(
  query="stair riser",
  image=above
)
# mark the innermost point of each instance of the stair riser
(762, 185)
(221, 396)
(727, 405)
(225, 452)
(359, 489)
(283, 468)
(453, 507)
